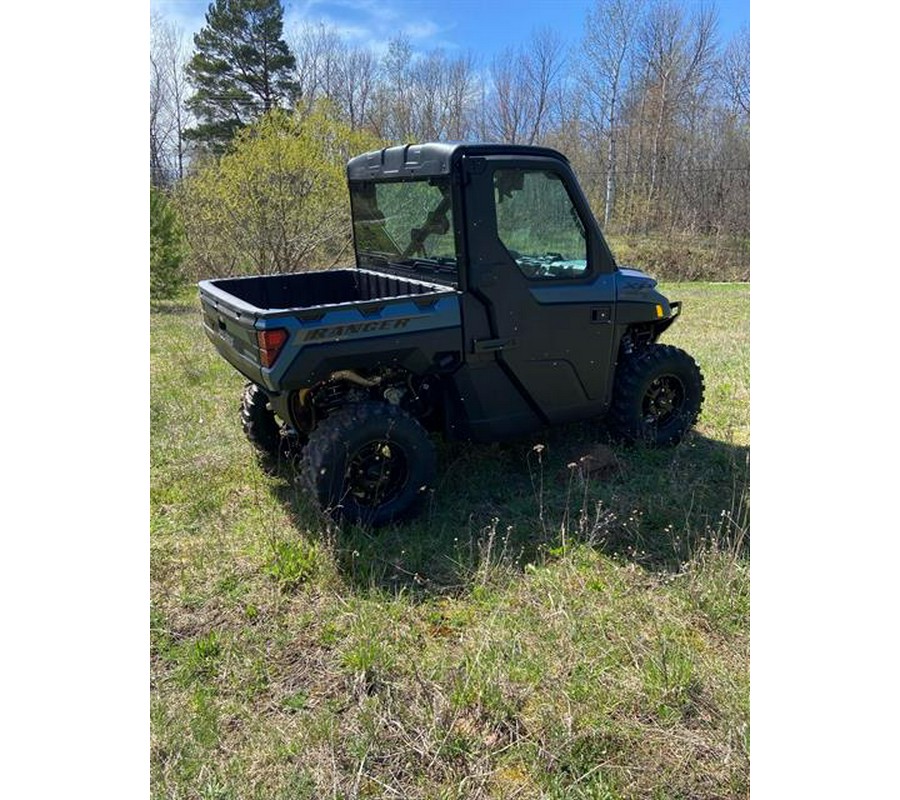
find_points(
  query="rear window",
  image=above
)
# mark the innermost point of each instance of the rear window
(409, 223)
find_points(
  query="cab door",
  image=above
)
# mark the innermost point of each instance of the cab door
(538, 264)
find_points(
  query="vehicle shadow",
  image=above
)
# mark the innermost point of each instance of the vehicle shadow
(497, 508)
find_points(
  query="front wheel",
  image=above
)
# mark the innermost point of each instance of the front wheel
(369, 463)
(657, 396)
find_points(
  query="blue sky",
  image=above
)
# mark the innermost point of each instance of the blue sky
(482, 26)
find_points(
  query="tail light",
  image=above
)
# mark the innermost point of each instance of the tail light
(270, 344)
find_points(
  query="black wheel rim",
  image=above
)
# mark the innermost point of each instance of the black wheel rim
(377, 473)
(663, 400)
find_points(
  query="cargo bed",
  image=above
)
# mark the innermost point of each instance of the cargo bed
(315, 308)
(306, 290)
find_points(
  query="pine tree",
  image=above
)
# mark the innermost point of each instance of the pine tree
(166, 247)
(241, 68)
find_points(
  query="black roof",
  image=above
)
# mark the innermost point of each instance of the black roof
(431, 158)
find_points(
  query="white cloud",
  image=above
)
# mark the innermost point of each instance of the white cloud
(421, 30)
(370, 23)
(362, 23)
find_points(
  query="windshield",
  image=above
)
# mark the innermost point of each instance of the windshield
(404, 223)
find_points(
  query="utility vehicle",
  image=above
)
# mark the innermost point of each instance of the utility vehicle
(484, 304)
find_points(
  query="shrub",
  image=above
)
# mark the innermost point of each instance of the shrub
(278, 201)
(166, 247)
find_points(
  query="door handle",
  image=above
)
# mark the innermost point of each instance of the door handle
(493, 345)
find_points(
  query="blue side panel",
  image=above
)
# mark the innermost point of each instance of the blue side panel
(353, 324)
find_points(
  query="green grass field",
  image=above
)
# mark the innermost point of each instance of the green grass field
(546, 630)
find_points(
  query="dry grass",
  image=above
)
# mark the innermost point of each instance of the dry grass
(680, 257)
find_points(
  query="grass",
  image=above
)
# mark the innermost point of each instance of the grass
(553, 627)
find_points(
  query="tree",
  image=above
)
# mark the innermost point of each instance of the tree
(607, 46)
(509, 96)
(392, 117)
(328, 68)
(166, 247)
(461, 88)
(241, 69)
(318, 50)
(168, 91)
(679, 54)
(358, 74)
(736, 71)
(277, 202)
(525, 84)
(159, 128)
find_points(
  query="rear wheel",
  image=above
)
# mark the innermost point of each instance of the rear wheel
(657, 396)
(271, 439)
(369, 463)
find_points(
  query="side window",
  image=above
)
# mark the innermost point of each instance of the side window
(538, 224)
